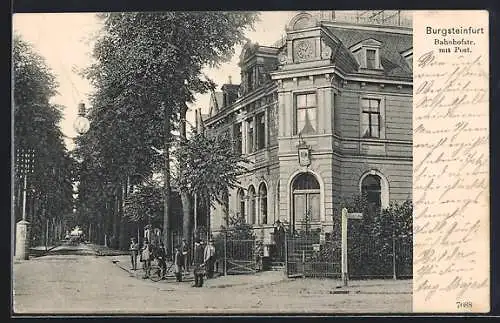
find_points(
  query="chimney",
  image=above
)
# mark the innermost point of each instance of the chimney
(230, 92)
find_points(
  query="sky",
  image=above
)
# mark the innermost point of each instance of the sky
(65, 40)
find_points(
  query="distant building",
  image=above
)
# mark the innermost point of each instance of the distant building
(324, 114)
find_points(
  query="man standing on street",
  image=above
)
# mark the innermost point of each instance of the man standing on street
(198, 264)
(209, 258)
(134, 251)
(178, 263)
(279, 239)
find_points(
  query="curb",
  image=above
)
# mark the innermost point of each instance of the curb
(41, 253)
(359, 292)
(133, 273)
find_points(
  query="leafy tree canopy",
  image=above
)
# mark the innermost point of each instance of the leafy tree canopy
(147, 64)
(144, 204)
(211, 166)
(36, 126)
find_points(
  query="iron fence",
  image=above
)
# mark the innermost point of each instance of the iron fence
(307, 257)
(236, 256)
(378, 255)
(369, 256)
(314, 255)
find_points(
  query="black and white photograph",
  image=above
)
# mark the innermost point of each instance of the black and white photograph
(212, 162)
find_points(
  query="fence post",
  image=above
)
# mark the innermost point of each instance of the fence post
(344, 247)
(225, 254)
(286, 254)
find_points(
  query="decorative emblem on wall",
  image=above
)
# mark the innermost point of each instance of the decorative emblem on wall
(304, 49)
(326, 51)
(303, 152)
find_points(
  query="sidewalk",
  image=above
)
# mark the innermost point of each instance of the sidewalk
(38, 251)
(106, 251)
(276, 281)
(261, 278)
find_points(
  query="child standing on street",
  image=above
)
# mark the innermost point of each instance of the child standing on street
(146, 258)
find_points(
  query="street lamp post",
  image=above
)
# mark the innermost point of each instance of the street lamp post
(81, 124)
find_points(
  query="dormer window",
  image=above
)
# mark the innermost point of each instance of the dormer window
(371, 62)
(367, 53)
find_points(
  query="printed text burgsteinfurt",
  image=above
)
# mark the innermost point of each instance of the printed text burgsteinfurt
(454, 39)
(451, 162)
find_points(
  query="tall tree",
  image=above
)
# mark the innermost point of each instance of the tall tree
(148, 73)
(211, 167)
(36, 126)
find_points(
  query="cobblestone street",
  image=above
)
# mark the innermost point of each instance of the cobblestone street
(85, 283)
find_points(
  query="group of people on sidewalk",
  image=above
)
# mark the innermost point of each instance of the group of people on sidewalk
(202, 260)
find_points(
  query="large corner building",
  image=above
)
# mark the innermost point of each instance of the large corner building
(324, 114)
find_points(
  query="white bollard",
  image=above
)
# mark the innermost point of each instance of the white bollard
(22, 243)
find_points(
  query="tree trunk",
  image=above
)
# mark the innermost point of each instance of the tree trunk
(116, 220)
(226, 209)
(209, 224)
(98, 234)
(166, 178)
(123, 220)
(185, 198)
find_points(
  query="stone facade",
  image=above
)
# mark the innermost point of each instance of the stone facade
(335, 102)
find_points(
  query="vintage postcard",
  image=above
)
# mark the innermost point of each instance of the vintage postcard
(233, 162)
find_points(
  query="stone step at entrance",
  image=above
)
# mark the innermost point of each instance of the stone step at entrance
(277, 266)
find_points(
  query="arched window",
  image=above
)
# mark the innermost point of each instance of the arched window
(306, 199)
(371, 190)
(241, 203)
(252, 206)
(263, 203)
(305, 181)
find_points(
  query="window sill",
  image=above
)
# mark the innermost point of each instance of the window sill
(371, 138)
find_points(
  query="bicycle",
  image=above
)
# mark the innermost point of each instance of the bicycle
(155, 273)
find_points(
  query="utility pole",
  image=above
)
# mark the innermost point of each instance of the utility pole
(25, 165)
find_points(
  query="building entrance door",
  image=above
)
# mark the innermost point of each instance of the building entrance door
(305, 201)
(306, 209)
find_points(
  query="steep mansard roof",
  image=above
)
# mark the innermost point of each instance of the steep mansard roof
(392, 45)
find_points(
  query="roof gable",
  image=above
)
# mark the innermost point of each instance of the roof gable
(370, 42)
(216, 102)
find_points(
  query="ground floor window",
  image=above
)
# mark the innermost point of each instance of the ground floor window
(371, 190)
(241, 203)
(263, 203)
(252, 205)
